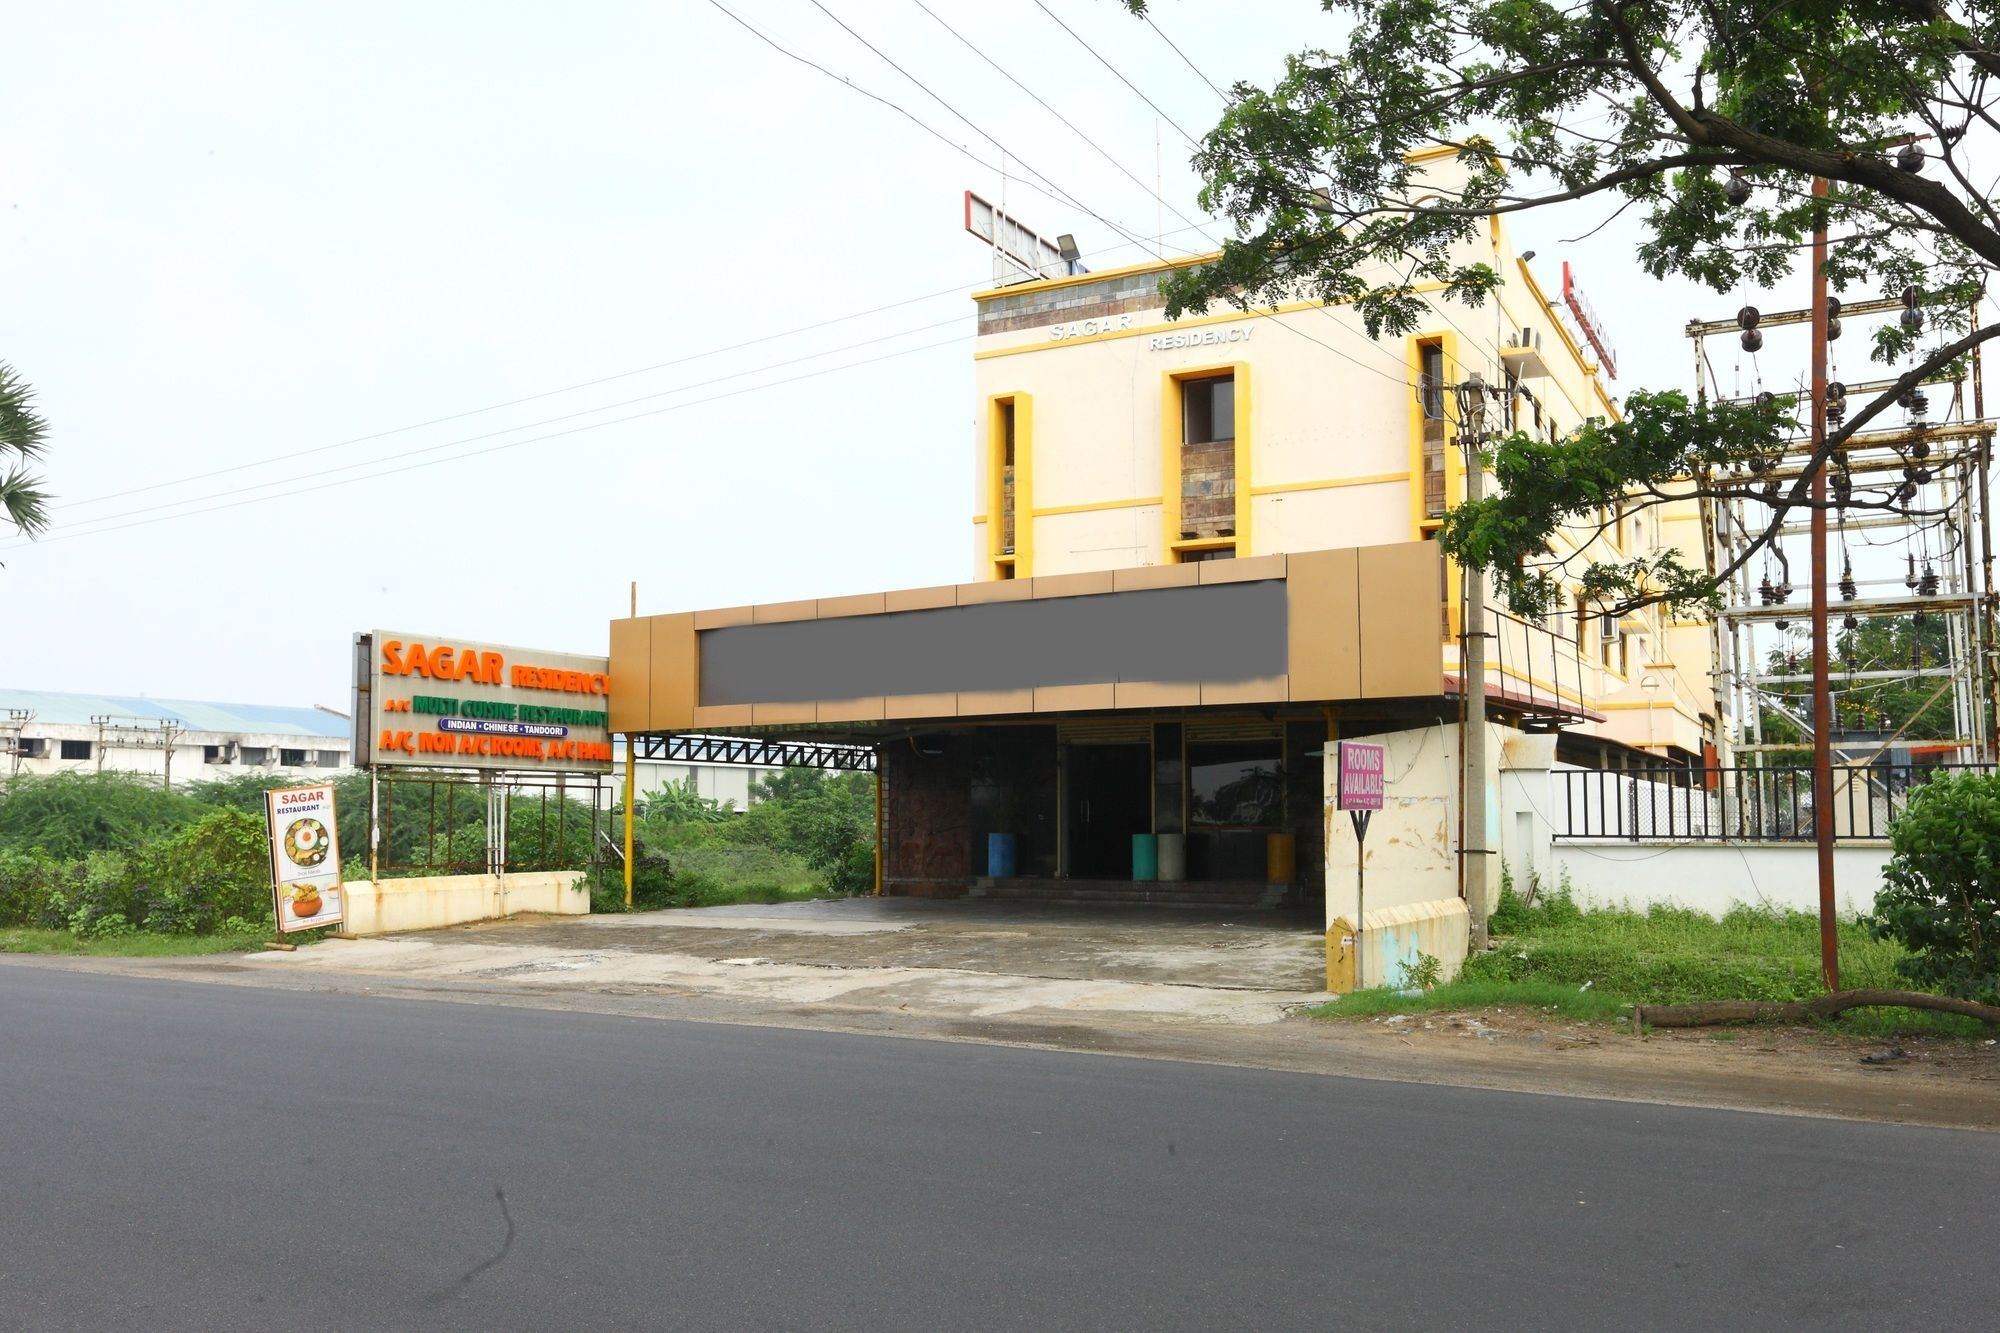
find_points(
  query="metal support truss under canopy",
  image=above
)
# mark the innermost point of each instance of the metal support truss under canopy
(755, 752)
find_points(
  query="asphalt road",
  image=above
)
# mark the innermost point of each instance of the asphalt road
(184, 1155)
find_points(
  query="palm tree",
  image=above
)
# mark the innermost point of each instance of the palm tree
(22, 432)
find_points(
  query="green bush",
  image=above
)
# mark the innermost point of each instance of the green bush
(1940, 895)
(36, 890)
(69, 815)
(1543, 909)
(808, 832)
(193, 881)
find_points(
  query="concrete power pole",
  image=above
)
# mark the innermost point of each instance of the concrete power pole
(169, 733)
(16, 723)
(1473, 847)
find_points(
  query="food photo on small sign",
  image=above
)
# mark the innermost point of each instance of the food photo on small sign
(305, 857)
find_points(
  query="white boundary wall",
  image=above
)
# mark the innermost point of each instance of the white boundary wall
(384, 906)
(1709, 876)
(1715, 876)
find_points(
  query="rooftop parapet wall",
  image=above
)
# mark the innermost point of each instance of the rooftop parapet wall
(1092, 296)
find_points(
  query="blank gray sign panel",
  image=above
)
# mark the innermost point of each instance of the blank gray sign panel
(1213, 633)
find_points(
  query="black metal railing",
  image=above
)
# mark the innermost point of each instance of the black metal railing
(438, 823)
(1537, 670)
(1732, 804)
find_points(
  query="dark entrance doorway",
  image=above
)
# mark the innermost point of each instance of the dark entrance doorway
(1108, 797)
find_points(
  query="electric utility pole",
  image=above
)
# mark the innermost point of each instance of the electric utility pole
(1472, 669)
(1822, 711)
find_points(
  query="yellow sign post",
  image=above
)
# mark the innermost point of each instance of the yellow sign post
(631, 750)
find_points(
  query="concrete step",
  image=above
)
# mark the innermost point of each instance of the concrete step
(1108, 892)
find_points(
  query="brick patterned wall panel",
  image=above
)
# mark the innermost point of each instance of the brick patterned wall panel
(1208, 488)
(926, 817)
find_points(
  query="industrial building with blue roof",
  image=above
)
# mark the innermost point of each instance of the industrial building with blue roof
(49, 731)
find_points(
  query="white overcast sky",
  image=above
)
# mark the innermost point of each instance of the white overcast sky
(247, 236)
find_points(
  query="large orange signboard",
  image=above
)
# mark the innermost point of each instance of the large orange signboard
(437, 702)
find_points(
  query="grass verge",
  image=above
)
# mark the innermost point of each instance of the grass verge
(1593, 965)
(1547, 997)
(21, 939)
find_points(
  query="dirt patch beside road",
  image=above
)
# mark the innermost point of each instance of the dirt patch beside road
(1809, 1070)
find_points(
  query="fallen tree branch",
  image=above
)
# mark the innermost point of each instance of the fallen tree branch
(1710, 1013)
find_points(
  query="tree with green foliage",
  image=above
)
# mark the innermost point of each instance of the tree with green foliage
(830, 820)
(681, 803)
(24, 433)
(804, 831)
(1710, 119)
(1940, 895)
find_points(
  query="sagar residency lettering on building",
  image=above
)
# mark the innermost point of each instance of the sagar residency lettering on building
(1162, 342)
(433, 702)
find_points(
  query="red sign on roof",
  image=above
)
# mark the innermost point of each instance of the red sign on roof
(1587, 320)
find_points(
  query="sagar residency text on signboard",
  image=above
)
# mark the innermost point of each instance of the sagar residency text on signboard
(437, 702)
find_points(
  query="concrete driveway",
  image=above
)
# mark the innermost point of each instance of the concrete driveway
(906, 954)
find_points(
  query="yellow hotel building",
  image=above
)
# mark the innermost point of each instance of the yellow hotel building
(1202, 550)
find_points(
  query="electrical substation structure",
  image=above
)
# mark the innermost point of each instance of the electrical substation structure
(1913, 541)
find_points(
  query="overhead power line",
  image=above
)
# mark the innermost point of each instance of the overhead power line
(536, 425)
(1154, 193)
(1043, 103)
(290, 456)
(967, 121)
(1161, 32)
(1192, 141)
(1139, 92)
(913, 118)
(316, 487)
